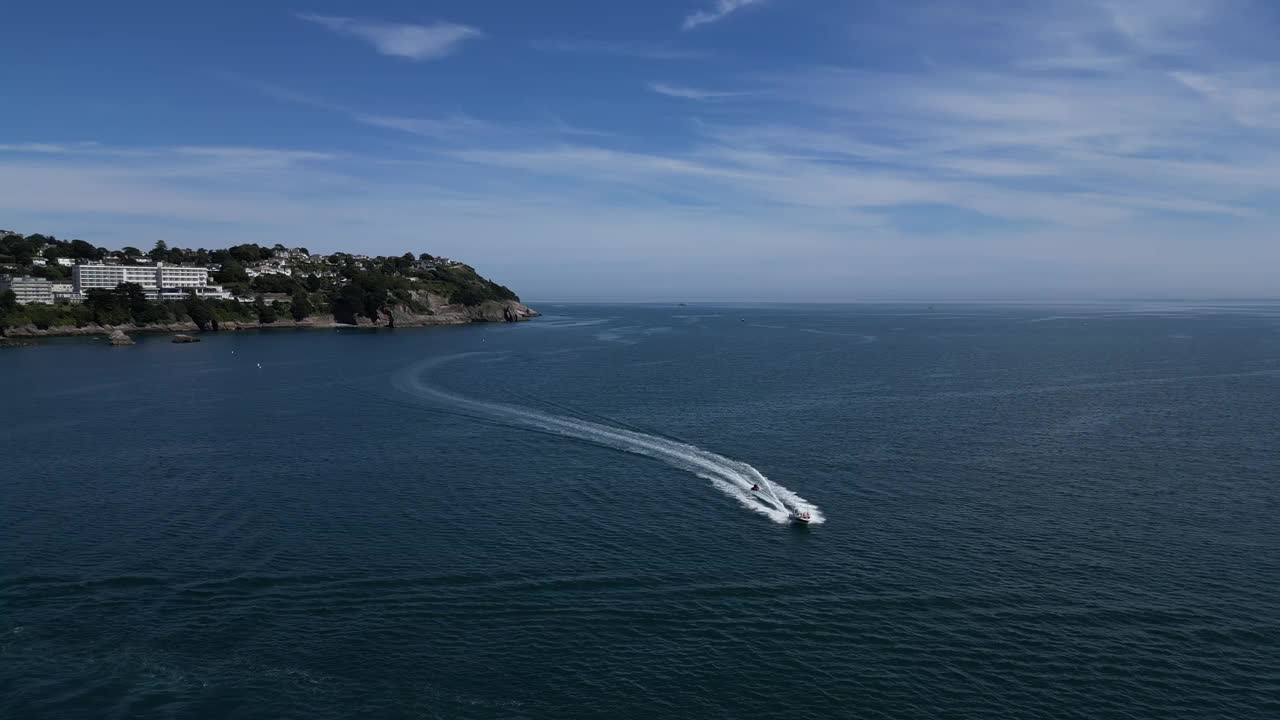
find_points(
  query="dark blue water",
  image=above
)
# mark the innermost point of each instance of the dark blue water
(1028, 512)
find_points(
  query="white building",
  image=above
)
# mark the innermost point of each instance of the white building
(66, 293)
(209, 292)
(168, 276)
(106, 277)
(66, 262)
(28, 289)
(268, 267)
(162, 282)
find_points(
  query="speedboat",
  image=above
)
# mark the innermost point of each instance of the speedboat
(801, 516)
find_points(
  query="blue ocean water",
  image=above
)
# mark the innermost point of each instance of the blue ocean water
(1062, 511)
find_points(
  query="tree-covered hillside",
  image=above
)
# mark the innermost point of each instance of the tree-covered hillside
(268, 283)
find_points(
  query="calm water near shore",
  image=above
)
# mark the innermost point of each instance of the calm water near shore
(1063, 511)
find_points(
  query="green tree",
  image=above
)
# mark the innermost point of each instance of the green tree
(231, 272)
(249, 253)
(266, 312)
(314, 282)
(131, 251)
(347, 305)
(8, 301)
(160, 252)
(107, 307)
(300, 307)
(131, 296)
(274, 283)
(375, 287)
(57, 273)
(468, 295)
(198, 311)
(155, 313)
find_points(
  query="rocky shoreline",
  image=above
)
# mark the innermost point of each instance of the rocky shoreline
(440, 313)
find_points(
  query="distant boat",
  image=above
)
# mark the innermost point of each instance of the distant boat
(801, 516)
(684, 304)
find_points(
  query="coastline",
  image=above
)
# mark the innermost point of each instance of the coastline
(487, 312)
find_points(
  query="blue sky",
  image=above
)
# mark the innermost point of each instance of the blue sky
(733, 149)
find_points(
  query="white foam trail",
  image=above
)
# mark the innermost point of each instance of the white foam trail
(732, 477)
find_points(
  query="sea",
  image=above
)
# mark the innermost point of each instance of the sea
(1016, 511)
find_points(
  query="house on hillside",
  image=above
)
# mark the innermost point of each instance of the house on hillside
(28, 289)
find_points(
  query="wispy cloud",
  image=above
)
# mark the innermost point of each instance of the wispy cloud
(416, 42)
(245, 158)
(206, 161)
(1078, 127)
(44, 148)
(1052, 147)
(689, 93)
(448, 127)
(1160, 26)
(1251, 97)
(719, 11)
(452, 126)
(645, 52)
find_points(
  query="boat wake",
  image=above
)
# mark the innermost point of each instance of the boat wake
(732, 477)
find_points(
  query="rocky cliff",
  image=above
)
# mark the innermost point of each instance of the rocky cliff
(432, 310)
(437, 311)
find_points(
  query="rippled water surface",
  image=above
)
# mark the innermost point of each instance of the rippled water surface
(1020, 512)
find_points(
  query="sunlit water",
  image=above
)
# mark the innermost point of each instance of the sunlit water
(1019, 512)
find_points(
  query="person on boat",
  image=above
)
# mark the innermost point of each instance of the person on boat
(755, 488)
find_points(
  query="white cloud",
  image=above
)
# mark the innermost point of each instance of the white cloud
(416, 42)
(1044, 150)
(47, 148)
(450, 127)
(1162, 25)
(733, 205)
(646, 52)
(1252, 98)
(689, 93)
(250, 157)
(717, 12)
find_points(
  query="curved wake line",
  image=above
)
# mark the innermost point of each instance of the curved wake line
(732, 477)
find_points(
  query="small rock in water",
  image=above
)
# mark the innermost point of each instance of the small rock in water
(186, 339)
(117, 337)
